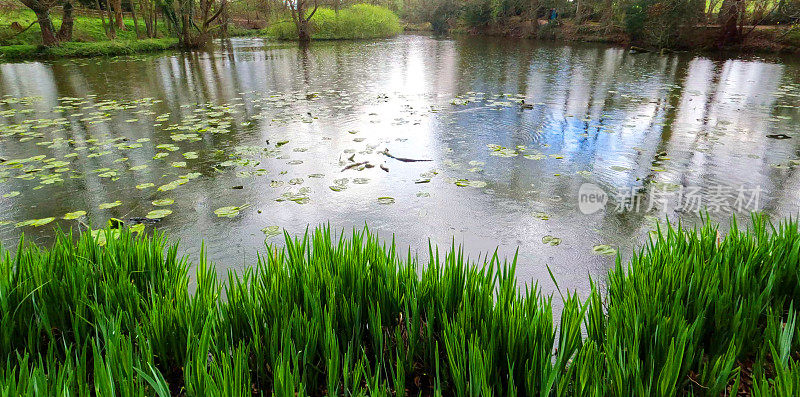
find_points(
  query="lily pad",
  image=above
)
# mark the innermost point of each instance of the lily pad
(74, 215)
(105, 206)
(385, 200)
(158, 214)
(228, 212)
(467, 182)
(551, 240)
(271, 231)
(603, 249)
(36, 222)
(163, 202)
(541, 215)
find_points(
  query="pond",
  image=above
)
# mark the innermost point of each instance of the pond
(566, 153)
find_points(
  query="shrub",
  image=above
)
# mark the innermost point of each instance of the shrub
(360, 21)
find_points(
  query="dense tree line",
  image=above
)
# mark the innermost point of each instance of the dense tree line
(656, 22)
(191, 21)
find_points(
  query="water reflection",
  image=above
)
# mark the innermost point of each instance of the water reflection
(599, 114)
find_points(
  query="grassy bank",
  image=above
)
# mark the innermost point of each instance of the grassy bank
(692, 313)
(360, 21)
(86, 28)
(89, 38)
(73, 49)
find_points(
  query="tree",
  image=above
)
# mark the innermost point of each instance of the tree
(302, 18)
(193, 30)
(67, 22)
(42, 10)
(118, 19)
(730, 15)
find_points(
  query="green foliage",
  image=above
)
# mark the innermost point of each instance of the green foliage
(360, 21)
(438, 13)
(86, 28)
(73, 49)
(661, 23)
(349, 316)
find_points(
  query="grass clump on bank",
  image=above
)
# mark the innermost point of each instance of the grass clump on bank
(360, 21)
(73, 49)
(326, 316)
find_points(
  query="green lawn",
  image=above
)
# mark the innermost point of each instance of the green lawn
(86, 28)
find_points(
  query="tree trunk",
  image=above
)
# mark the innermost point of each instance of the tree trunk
(112, 31)
(102, 16)
(135, 20)
(729, 16)
(118, 15)
(46, 24)
(303, 31)
(67, 21)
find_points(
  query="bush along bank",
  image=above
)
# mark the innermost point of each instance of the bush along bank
(359, 21)
(691, 313)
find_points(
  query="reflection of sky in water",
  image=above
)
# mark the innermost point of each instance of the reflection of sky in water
(598, 115)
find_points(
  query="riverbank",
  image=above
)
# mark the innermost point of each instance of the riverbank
(763, 39)
(359, 21)
(693, 313)
(82, 50)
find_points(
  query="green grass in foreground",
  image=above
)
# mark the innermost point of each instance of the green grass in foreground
(688, 314)
(360, 21)
(73, 49)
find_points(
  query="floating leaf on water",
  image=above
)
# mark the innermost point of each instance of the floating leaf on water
(541, 215)
(385, 200)
(551, 240)
(12, 194)
(271, 231)
(158, 214)
(74, 215)
(169, 186)
(228, 212)
(190, 155)
(467, 182)
(142, 186)
(138, 167)
(337, 188)
(603, 249)
(163, 202)
(423, 194)
(105, 206)
(300, 197)
(296, 181)
(276, 184)
(36, 222)
(137, 228)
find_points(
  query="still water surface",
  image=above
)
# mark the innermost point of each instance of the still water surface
(294, 137)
